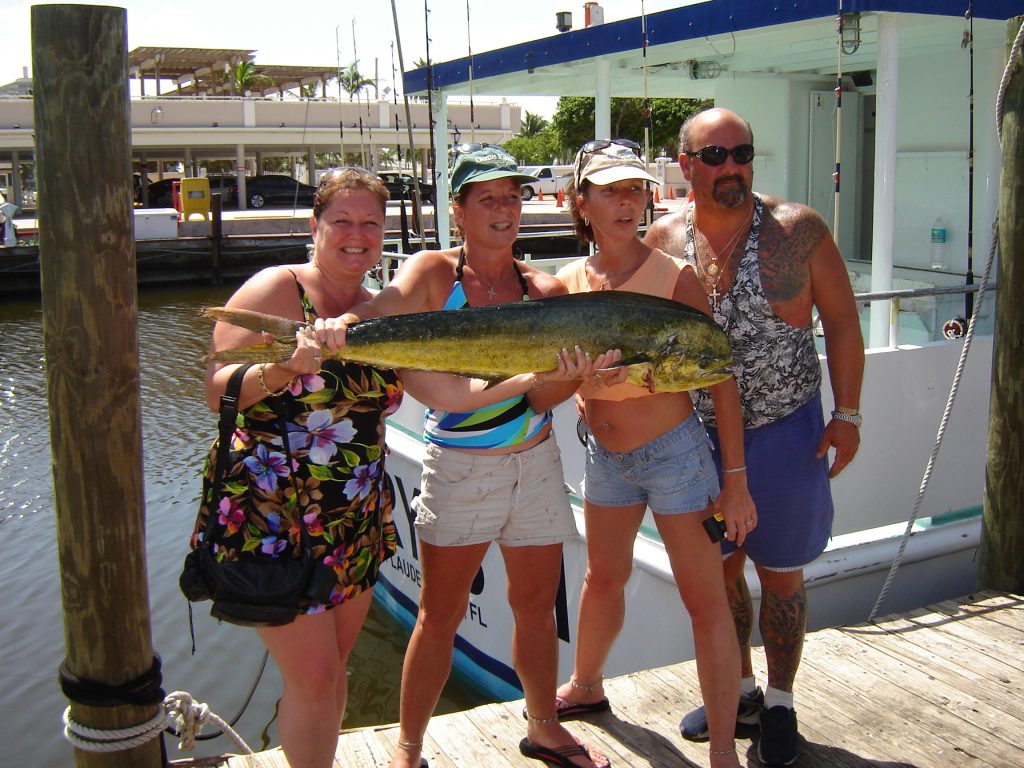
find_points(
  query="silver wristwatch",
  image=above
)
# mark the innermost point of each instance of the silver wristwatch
(849, 415)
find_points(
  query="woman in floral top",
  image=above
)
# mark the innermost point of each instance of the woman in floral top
(334, 413)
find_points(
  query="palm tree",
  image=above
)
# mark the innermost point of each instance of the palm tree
(352, 81)
(309, 90)
(244, 77)
(532, 125)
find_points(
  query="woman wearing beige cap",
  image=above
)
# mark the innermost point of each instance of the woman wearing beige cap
(650, 449)
(494, 479)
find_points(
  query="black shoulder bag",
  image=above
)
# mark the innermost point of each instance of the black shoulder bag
(254, 591)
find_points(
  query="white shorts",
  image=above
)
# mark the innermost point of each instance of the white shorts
(515, 499)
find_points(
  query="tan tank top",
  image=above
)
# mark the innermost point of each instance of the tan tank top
(657, 276)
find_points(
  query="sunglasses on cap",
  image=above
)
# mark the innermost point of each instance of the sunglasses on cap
(596, 145)
(465, 148)
(716, 155)
(352, 170)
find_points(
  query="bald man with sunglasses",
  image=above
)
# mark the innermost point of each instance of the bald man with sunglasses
(765, 264)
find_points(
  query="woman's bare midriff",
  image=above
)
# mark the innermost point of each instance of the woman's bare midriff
(537, 439)
(625, 425)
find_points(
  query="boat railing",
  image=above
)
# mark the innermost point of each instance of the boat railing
(914, 313)
(924, 305)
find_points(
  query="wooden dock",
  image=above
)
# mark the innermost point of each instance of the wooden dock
(940, 686)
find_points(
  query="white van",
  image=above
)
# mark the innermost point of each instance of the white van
(551, 179)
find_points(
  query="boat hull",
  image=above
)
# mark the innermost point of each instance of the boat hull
(874, 498)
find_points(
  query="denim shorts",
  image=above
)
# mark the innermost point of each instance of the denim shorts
(673, 473)
(790, 488)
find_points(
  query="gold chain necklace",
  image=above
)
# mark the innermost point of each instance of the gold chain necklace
(711, 273)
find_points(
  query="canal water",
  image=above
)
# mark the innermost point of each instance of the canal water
(177, 431)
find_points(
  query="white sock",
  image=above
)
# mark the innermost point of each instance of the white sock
(773, 697)
(747, 686)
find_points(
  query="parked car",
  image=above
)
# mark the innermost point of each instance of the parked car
(551, 179)
(400, 186)
(161, 193)
(274, 189)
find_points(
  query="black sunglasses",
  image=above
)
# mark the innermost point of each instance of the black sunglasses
(596, 145)
(716, 155)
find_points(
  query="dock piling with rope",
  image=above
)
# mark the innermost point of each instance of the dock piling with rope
(90, 335)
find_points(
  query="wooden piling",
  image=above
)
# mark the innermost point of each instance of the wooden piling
(1001, 565)
(88, 283)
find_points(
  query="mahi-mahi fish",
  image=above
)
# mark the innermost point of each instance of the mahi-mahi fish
(668, 346)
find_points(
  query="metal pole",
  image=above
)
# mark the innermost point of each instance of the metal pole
(408, 127)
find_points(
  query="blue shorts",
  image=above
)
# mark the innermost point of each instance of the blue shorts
(790, 488)
(673, 473)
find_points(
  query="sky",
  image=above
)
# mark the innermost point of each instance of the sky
(302, 32)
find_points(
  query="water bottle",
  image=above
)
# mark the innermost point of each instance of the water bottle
(939, 245)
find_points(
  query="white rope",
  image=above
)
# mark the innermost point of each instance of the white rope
(1015, 51)
(179, 710)
(114, 740)
(1004, 82)
(189, 717)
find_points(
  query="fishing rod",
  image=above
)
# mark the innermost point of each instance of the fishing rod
(839, 122)
(430, 95)
(469, 50)
(408, 127)
(646, 109)
(968, 42)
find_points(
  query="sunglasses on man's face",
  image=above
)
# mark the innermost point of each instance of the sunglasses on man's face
(716, 155)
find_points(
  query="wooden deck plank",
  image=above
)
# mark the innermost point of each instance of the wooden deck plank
(890, 687)
(934, 688)
(964, 677)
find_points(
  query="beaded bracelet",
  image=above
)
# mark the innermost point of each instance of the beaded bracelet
(733, 470)
(263, 382)
(722, 752)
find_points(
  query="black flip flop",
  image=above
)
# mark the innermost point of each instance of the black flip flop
(567, 711)
(560, 758)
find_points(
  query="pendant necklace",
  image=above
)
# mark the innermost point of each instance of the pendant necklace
(711, 273)
(491, 289)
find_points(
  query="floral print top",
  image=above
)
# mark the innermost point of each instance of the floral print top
(335, 426)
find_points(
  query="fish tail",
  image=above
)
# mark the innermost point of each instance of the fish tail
(255, 321)
(276, 351)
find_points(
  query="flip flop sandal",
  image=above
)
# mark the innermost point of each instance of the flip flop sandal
(567, 710)
(561, 757)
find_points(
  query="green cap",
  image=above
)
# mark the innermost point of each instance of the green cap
(485, 164)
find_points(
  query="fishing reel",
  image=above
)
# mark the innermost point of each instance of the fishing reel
(954, 328)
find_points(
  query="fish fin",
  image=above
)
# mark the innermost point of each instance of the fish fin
(626, 362)
(270, 352)
(255, 321)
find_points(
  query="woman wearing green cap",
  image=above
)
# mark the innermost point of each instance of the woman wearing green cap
(649, 449)
(496, 477)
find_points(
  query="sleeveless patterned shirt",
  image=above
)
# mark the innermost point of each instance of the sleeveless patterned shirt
(776, 365)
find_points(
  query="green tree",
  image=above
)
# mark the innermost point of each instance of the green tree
(352, 80)
(244, 77)
(309, 90)
(573, 121)
(542, 148)
(532, 124)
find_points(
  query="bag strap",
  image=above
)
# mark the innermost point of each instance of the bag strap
(228, 415)
(226, 428)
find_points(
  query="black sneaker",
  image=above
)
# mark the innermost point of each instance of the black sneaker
(694, 727)
(778, 743)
